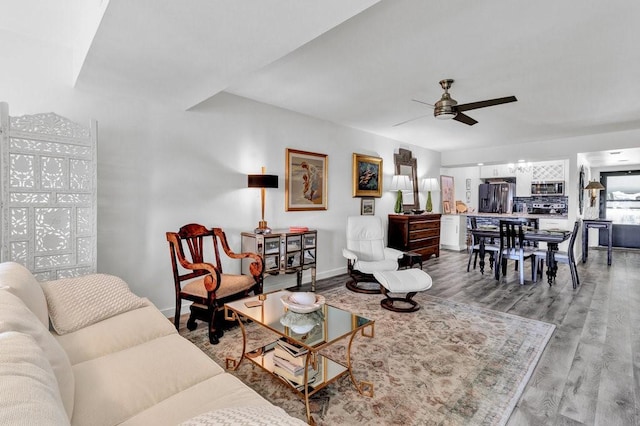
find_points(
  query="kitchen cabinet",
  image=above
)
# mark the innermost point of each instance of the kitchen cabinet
(523, 183)
(418, 233)
(548, 171)
(453, 232)
(496, 171)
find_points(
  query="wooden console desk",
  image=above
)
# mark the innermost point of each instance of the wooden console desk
(418, 233)
(283, 252)
(596, 224)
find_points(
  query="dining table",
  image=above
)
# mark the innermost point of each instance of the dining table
(552, 237)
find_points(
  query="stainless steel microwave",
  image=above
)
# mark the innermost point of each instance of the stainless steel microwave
(547, 188)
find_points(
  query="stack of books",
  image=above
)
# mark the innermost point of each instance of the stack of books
(289, 361)
(298, 229)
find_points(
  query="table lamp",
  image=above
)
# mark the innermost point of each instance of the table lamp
(594, 186)
(399, 183)
(262, 181)
(430, 184)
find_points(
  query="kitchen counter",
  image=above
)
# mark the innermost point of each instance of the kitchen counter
(524, 215)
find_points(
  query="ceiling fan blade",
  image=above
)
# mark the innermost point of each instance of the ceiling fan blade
(423, 102)
(411, 119)
(463, 118)
(487, 103)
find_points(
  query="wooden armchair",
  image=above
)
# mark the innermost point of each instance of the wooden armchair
(204, 283)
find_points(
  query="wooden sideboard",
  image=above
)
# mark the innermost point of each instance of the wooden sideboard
(418, 233)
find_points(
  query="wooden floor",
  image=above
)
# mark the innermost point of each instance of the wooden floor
(589, 373)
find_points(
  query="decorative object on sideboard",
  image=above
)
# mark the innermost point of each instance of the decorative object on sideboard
(367, 176)
(262, 181)
(306, 177)
(400, 183)
(594, 187)
(405, 164)
(430, 184)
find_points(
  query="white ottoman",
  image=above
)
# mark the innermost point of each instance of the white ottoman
(409, 281)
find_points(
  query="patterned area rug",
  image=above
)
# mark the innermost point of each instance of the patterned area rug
(447, 364)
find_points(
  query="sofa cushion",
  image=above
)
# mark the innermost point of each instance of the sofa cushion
(15, 316)
(220, 391)
(113, 388)
(21, 282)
(29, 389)
(77, 302)
(115, 334)
(245, 416)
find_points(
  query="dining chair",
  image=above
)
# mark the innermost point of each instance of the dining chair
(512, 246)
(567, 257)
(474, 248)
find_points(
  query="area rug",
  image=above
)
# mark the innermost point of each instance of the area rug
(447, 364)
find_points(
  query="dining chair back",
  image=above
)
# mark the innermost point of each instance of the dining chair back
(567, 257)
(512, 246)
(474, 248)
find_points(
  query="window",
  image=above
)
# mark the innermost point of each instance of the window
(622, 201)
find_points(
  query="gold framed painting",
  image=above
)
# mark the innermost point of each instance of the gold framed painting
(367, 176)
(305, 181)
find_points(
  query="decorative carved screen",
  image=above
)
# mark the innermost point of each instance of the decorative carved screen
(48, 194)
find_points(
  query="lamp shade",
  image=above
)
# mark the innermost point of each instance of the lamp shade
(594, 184)
(400, 183)
(262, 181)
(430, 184)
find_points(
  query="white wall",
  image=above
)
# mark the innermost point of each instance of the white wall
(160, 168)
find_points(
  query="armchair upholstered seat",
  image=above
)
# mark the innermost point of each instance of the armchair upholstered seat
(367, 253)
(204, 283)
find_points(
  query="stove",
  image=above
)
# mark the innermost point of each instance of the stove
(548, 208)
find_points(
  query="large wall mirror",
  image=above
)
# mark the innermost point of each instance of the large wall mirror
(407, 165)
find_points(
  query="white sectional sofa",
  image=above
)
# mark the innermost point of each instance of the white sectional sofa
(87, 351)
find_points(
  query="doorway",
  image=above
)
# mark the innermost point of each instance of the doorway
(622, 206)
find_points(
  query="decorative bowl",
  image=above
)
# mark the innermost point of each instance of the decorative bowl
(293, 303)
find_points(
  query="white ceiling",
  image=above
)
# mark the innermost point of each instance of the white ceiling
(573, 65)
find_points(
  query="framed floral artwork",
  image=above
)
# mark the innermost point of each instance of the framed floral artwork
(448, 194)
(305, 181)
(367, 176)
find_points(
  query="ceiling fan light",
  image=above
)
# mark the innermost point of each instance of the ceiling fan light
(444, 113)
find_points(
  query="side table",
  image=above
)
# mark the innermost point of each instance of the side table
(596, 224)
(283, 252)
(409, 259)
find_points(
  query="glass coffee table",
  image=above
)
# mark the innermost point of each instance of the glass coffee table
(331, 325)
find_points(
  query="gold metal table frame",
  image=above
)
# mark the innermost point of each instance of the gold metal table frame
(338, 324)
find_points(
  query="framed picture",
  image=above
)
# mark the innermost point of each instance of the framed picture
(468, 184)
(367, 176)
(306, 181)
(448, 194)
(367, 206)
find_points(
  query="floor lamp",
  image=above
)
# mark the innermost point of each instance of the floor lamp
(262, 181)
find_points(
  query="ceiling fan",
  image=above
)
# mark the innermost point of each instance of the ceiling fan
(447, 107)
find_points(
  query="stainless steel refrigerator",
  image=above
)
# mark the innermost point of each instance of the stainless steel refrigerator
(496, 197)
